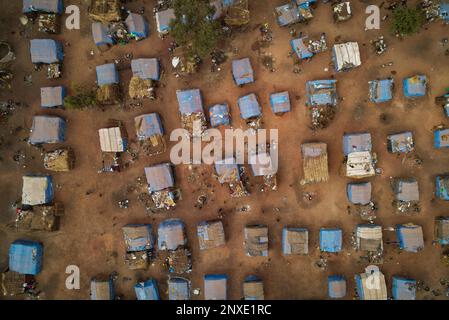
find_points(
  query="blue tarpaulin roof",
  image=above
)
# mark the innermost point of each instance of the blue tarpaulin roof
(101, 34)
(403, 288)
(178, 289)
(400, 142)
(46, 51)
(190, 101)
(147, 290)
(322, 92)
(242, 71)
(444, 10)
(442, 184)
(356, 142)
(295, 241)
(47, 129)
(442, 230)
(300, 48)
(146, 68)
(107, 74)
(381, 90)
(52, 97)
(215, 287)
(228, 3)
(138, 237)
(163, 19)
(137, 25)
(331, 240)
(336, 286)
(254, 288)
(407, 189)
(280, 102)
(415, 86)
(410, 237)
(249, 106)
(148, 125)
(160, 177)
(25, 257)
(47, 6)
(287, 14)
(102, 289)
(37, 190)
(359, 193)
(441, 138)
(219, 115)
(171, 234)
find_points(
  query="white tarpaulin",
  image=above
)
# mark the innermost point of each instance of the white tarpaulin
(346, 56)
(360, 165)
(111, 140)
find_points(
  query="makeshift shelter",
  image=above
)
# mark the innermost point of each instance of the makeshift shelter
(138, 237)
(148, 126)
(400, 142)
(105, 11)
(381, 90)
(359, 193)
(37, 189)
(369, 238)
(442, 187)
(253, 288)
(346, 56)
(47, 129)
(262, 164)
(442, 230)
(52, 97)
(219, 115)
(147, 290)
(371, 284)
(321, 92)
(25, 257)
(137, 26)
(59, 160)
(336, 286)
(249, 107)
(295, 241)
(342, 11)
(46, 51)
(211, 234)
(146, 69)
(178, 289)
(287, 14)
(444, 10)
(406, 189)
(415, 87)
(191, 109)
(280, 102)
(441, 138)
(242, 71)
(301, 48)
(331, 240)
(107, 74)
(102, 35)
(315, 164)
(39, 218)
(45, 6)
(112, 140)
(360, 165)
(356, 142)
(228, 172)
(171, 234)
(102, 289)
(256, 240)
(403, 288)
(410, 237)
(215, 287)
(160, 177)
(163, 19)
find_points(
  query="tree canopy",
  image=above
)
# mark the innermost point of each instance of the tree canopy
(407, 21)
(194, 27)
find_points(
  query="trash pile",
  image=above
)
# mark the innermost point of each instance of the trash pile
(342, 11)
(39, 218)
(59, 160)
(138, 245)
(165, 199)
(49, 23)
(228, 172)
(379, 45)
(317, 46)
(431, 9)
(406, 192)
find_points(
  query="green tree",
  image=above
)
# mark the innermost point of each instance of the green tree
(194, 27)
(80, 99)
(407, 21)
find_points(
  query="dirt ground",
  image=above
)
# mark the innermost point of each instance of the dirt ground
(90, 235)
